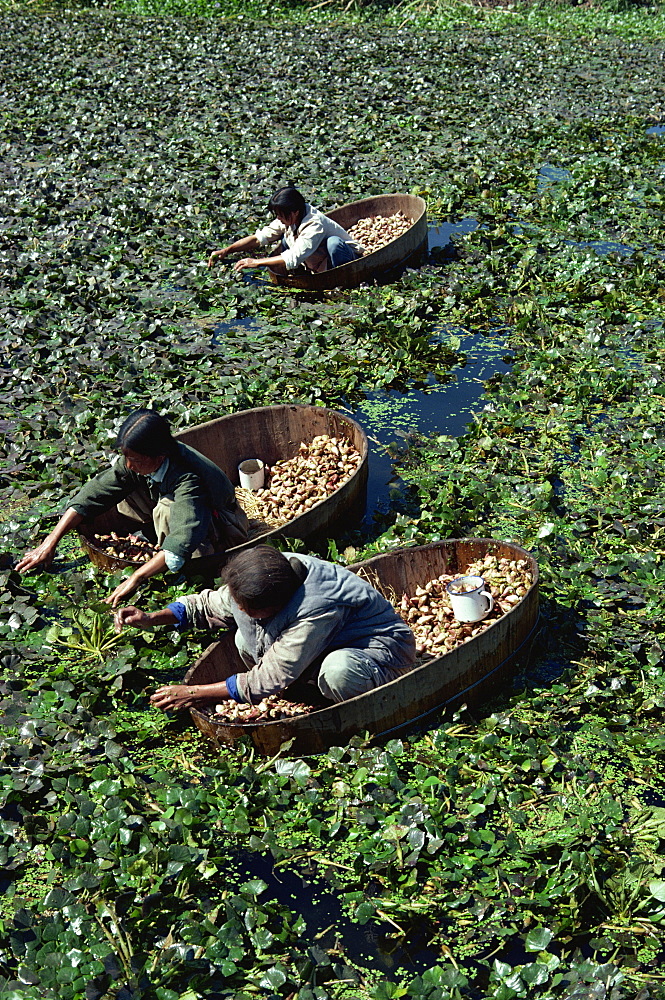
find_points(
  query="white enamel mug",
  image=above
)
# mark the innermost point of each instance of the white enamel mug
(469, 599)
(252, 474)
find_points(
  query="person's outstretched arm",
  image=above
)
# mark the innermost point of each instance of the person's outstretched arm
(246, 243)
(43, 554)
(170, 697)
(155, 565)
(133, 616)
(276, 263)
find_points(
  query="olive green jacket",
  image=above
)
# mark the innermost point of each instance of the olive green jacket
(198, 488)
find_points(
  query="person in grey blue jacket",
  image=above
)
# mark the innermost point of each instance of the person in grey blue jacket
(296, 618)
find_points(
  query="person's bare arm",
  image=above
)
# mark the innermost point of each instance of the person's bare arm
(276, 263)
(170, 697)
(173, 696)
(155, 565)
(246, 243)
(133, 616)
(43, 554)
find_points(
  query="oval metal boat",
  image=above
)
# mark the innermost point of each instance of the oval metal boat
(470, 673)
(402, 250)
(270, 433)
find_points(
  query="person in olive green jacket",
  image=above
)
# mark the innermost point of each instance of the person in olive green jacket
(189, 500)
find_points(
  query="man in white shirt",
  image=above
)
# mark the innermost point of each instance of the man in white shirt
(307, 237)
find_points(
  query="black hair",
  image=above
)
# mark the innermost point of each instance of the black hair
(286, 200)
(147, 433)
(262, 578)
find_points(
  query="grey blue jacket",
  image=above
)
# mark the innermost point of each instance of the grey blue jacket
(197, 486)
(332, 609)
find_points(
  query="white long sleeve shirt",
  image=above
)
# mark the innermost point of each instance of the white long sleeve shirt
(304, 243)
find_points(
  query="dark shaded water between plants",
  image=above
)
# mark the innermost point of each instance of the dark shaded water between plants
(391, 418)
(375, 944)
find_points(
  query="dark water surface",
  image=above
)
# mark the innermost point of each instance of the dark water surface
(440, 234)
(391, 419)
(376, 944)
(548, 175)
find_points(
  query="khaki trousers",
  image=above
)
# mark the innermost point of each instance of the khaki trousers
(226, 530)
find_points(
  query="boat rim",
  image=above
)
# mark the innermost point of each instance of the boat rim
(421, 666)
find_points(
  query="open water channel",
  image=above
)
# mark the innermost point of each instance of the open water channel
(392, 418)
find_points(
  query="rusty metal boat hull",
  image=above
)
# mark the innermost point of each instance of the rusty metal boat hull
(470, 673)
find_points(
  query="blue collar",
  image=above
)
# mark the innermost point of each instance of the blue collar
(158, 475)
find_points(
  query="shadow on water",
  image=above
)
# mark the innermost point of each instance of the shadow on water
(330, 930)
(603, 247)
(441, 238)
(221, 331)
(391, 418)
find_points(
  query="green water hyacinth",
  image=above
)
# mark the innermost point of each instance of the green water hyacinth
(511, 852)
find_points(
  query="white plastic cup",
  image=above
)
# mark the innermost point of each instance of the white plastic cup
(252, 474)
(470, 601)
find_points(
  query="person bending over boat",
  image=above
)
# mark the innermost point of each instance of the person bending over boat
(297, 618)
(306, 236)
(166, 487)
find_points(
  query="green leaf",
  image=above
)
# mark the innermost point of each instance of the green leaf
(273, 978)
(535, 974)
(297, 769)
(364, 912)
(58, 898)
(657, 889)
(263, 938)
(254, 887)
(538, 939)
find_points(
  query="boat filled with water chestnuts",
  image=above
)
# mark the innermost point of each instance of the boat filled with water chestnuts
(391, 228)
(316, 464)
(458, 662)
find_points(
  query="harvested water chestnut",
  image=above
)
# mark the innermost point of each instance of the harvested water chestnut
(430, 615)
(293, 485)
(270, 708)
(375, 231)
(131, 548)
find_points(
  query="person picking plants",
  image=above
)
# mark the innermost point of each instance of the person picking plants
(306, 236)
(168, 489)
(296, 619)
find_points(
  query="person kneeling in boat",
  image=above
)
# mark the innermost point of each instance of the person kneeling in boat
(307, 237)
(297, 618)
(165, 487)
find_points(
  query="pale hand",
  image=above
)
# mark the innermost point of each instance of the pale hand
(41, 556)
(241, 265)
(124, 589)
(217, 255)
